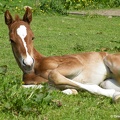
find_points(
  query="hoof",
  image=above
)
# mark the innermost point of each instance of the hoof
(116, 98)
(75, 92)
(70, 91)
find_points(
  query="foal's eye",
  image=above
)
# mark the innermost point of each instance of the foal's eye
(33, 38)
(11, 41)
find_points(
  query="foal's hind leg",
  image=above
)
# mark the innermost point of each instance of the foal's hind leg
(112, 84)
(58, 78)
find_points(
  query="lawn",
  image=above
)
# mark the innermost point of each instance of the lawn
(58, 35)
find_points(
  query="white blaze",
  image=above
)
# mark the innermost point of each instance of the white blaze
(22, 32)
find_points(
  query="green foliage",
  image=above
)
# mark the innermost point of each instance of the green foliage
(52, 5)
(56, 6)
(38, 6)
(91, 4)
(18, 100)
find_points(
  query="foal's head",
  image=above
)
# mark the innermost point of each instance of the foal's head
(21, 36)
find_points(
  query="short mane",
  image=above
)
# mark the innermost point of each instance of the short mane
(17, 18)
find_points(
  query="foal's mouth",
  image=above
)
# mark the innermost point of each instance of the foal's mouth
(28, 65)
(28, 68)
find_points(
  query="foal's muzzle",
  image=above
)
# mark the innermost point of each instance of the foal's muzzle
(28, 63)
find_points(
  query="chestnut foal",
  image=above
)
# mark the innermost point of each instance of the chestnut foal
(96, 72)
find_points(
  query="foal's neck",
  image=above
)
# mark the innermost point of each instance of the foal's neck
(37, 55)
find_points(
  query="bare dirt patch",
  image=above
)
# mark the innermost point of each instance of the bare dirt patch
(110, 12)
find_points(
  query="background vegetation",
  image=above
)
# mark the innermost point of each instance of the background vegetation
(56, 35)
(57, 6)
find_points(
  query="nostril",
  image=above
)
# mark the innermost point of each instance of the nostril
(28, 62)
(33, 60)
(24, 63)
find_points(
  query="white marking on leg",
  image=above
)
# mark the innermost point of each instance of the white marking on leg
(67, 91)
(33, 86)
(110, 84)
(95, 89)
(22, 32)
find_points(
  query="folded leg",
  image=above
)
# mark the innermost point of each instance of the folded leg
(33, 79)
(111, 84)
(59, 79)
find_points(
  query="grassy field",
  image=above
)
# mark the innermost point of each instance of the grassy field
(58, 35)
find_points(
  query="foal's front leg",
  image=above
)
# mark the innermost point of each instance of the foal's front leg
(33, 79)
(61, 76)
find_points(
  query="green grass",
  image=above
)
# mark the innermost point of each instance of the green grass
(58, 35)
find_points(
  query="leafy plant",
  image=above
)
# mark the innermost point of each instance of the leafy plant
(18, 100)
(90, 4)
(3, 69)
(43, 6)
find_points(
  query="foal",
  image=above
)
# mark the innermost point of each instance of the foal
(69, 73)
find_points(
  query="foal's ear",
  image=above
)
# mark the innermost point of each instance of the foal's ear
(8, 18)
(28, 15)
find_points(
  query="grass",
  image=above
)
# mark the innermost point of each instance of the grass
(58, 35)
